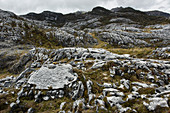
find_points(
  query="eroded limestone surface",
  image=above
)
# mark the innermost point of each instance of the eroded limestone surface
(55, 76)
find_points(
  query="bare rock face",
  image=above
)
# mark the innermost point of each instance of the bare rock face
(157, 101)
(55, 76)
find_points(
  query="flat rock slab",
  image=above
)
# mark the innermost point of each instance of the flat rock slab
(55, 76)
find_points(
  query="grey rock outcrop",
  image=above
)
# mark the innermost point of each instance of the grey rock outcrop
(56, 78)
(114, 100)
(157, 101)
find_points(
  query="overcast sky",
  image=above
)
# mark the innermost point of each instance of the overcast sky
(68, 6)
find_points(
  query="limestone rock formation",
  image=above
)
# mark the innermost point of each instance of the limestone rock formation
(55, 76)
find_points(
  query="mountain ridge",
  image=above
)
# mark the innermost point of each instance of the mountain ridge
(158, 13)
(126, 12)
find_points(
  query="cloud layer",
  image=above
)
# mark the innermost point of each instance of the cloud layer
(67, 6)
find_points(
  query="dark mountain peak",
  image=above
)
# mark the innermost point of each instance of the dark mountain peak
(45, 15)
(158, 13)
(7, 14)
(30, 14)
(50, 13)
(130, 10)
(80, 12)
(116, 9)
(100, 10)
(59, 19)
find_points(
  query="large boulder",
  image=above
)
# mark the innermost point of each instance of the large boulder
(56, 77)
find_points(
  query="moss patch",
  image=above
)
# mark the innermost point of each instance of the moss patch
(146, 90)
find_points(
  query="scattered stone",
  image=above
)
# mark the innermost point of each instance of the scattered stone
(126, 83)
(78, 102)
(7, 84)
(13, 105)
(46, 98)
(89, 84)
(62, 105)
(113, 100)
(107, 85)
(30, 110)
(79, 91)
(154, 102)
(121, 109)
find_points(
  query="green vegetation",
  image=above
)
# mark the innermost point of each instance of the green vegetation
(146, 90)
(13, 24)
(6, 99)
(4, 74)
(37, 37)
(89, 64)
(101, 44)
(134, 52)
(51, 106)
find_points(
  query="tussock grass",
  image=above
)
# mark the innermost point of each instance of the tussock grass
(5, 74)
(101, 44)
(50, 106)
(136, 52)
(146, 91)
(7, 98)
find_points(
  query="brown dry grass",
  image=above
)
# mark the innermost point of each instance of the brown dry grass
(101, 44)
(5, 74)
(138, 52)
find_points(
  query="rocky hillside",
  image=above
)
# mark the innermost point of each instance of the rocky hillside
(103, 60)
(158, 13)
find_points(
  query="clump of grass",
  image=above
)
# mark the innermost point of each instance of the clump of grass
(68, 106)
(3, 105)
(88, 111)
(7, 98)
(96, 89)
(146, 91)
(89, 64)
(136, 52)
(140, 108)
(138, 72)
(124, 69)
(47, 106)
(37, 37)
(136, 104)
(161, 110)
(101, 44)
(64, 60)
(106, 102)
(6, 74)
(108, 65)
(107, 105)
(80, 108)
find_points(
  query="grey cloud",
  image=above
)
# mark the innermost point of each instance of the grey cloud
(146, 4)
(67, 6)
